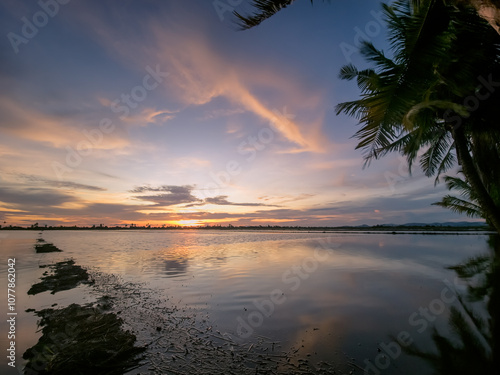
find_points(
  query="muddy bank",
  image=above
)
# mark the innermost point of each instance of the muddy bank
(134, 329)
(183, 341)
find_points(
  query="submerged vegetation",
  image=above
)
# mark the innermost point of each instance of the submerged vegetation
(82, 340)
(61, 276)
(77, 339)
(46, 248)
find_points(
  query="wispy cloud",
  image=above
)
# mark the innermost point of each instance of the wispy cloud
(59, 184)
(222, 200)
(30, 124)
(199, 73)
(149, 116)
(295, 198)
(218, 113)
(143, 116)
(25, 122)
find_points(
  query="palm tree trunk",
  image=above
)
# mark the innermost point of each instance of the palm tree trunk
(487, 204)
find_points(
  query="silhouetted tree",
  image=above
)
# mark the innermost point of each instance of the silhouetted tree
(264, 9)
(419, 99)
(434, 99)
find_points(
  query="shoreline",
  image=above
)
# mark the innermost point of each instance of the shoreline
(379, 229)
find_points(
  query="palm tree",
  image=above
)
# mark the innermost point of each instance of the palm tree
(418, 100)
(488, 9)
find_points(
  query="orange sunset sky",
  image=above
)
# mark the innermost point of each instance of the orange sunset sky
(163, 112)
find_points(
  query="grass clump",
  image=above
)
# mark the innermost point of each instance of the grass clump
(63, 276)
(46, 248)
(82, 340)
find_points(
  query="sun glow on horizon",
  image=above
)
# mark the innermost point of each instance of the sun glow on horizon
(188, 223)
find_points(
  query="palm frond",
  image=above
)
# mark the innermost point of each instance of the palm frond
(376, 56)
(265, 9)
(348, 72)
(460, 206)
(463, 187)
(438, 157)
(447, 161)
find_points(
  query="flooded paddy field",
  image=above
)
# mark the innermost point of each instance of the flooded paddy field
(211, 302)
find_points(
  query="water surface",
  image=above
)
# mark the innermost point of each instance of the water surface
(335, 297)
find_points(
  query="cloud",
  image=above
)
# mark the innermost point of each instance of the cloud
(30, 198)
(49, 206)
(218, 113)
(167, 188)
(200, 71)
(142, 117)
(221, 200)
(200, 76)
(23, 121)
(28, 123)
(149, 116)
(60, 184)
(288, 199)
(173, 195)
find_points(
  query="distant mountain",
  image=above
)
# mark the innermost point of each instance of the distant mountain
(446, 224)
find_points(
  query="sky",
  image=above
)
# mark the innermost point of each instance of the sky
(165, 113)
